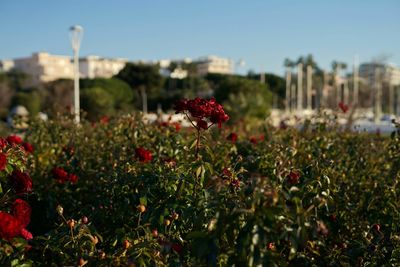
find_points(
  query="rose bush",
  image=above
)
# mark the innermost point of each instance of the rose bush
(152, 196)
(15, 212)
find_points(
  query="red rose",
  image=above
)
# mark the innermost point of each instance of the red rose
(26, 234)
(376, 227)
(60, 174)
(14, 139)
(177, 126)
(22, 212)
(28, 147)
(21, 182)
(73, 178)
(293, 177)
(232, 137)
(235, 183)
(343, 107)
(3, 143)
(3, 161)
(253, 140)
(143, 155)
(10, 227)
(226, 172)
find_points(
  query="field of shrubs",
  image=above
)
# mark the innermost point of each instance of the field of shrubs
(118, 192)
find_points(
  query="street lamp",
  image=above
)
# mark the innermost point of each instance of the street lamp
(76, 34)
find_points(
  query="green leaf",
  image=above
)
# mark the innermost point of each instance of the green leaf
(198, 171)
(9, 168)
(143, 200)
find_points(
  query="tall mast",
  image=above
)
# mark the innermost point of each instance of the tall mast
(300, 86)
(378, 94)
(288, 83)
(309, 87)
(293, 97)
(355, 81)
(391, 91)
(324, 92)
(338, 85)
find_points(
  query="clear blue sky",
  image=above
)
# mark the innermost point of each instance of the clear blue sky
(262, 32)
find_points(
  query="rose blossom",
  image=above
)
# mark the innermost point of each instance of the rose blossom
(21, 182)
(3, 161)
(14, 139)
(143, 155)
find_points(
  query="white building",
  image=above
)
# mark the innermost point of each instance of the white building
(43, 67)
(387, 73)
(6, 65)
(214, 64)
(94, 66)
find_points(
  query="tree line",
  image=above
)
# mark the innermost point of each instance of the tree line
(242, 95)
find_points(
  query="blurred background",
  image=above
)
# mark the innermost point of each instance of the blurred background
(261, 59)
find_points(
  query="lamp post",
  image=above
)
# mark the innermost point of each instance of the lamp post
(76, 34)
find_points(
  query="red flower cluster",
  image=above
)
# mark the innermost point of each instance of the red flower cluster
(232, 137)
(21, 182)
(14, 225)
(143, 155)
(3, 161)
(202, 109)
(104, 120)
(254, 140)
(14, 139)
(343, 107)
(63, 176)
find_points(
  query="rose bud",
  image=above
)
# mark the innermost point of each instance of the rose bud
(141, 208)
(126, 244)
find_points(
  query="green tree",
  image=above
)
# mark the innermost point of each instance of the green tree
(6, 95)
(97, 102)
(145, 79)
(119, 90)
(29, 99)
(59, 96)
(17, 79)
(275, 84)
(243, 97)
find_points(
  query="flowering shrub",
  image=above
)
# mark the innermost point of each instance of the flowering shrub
(15, 212)
(149, 196)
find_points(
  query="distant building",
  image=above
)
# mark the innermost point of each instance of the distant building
(6, 65)
(43, 67)
(214, 64)
(385, 72)
(94, 66)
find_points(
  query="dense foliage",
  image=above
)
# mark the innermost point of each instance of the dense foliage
(121, 192)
